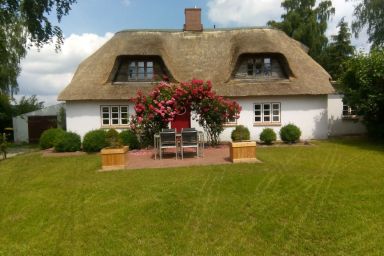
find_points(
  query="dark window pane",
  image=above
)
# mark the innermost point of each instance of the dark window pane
(149, 73)
(250, 69)
(115, 121)
(258, 65)
(276, 118)
(266, 119)
(132, 73)
(105, 121)
(257, 118)
(124, 109)
(258, 106)
(115, 109)
(257, 112)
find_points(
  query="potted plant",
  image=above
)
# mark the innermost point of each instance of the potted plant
(241, 148)
(115, 155)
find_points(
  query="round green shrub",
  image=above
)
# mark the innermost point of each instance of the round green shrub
(95, 140)
(240, 133)
(48, 137)
(113, 138)
(290, 133)
(268, 136)
(67, 142)
(129, 138)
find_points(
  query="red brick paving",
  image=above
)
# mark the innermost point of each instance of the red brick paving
(145, 158)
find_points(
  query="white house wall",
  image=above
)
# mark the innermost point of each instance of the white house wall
(309, 113)
(338, 125)
(84, 116)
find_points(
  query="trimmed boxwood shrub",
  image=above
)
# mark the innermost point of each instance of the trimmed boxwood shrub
(113, 138)
(240, 133)
(268, 136)
(290, 133)
(95, 140)
(67, 142)
(48, 137)
(129, 138)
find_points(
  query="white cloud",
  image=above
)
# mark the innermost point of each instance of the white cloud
(243, 13)
(45, 73)
(345, 10)
(259, 12)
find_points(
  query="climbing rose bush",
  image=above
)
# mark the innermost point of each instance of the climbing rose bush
(165, 101)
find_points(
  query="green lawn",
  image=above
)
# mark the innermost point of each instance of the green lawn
(326, 199)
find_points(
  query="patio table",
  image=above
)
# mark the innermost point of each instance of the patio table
(200, 137)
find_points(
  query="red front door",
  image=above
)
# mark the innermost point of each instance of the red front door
(182, 121)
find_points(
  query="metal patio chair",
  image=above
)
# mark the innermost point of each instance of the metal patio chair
(189, 139)
(168, 130)
(167, 140)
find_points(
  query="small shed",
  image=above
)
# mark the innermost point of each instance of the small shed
(29, 126)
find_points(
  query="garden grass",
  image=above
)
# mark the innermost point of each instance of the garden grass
(325, 199)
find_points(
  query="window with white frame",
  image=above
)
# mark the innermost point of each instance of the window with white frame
(348, 111)
(114, 115)
(230, 121)
(267, 112)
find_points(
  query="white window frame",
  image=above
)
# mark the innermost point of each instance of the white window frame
(269, 113)
(229, 122)
(115, 115)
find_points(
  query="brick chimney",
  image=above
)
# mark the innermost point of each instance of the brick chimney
(193, 19)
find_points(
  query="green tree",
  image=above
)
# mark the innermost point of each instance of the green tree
(24, 23)
(370, 14)
(338, 51)
(26, 105)
(5, 112)
(306, 23)
(363, 88)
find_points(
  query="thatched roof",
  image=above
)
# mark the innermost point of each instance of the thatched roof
(208, 55)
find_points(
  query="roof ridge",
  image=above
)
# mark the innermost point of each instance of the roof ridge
(205, 29)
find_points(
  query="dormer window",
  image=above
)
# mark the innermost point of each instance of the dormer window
(139, 69)
(260, 67)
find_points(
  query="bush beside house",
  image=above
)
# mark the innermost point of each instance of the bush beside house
(67, 142)
(240, 133)
(290, 133)
(48, 137)
(129, 138)
(95, 140)
(268, 136)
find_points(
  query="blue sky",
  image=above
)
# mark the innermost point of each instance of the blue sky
(91, 23)
(101, 16)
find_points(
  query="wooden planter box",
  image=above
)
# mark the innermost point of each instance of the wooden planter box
(114, 158)
(243, 152)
